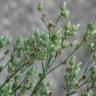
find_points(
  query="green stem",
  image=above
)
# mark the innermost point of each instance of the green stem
(5, 54)
(5, 66)
(37, 85)
(56, 22)
(90, 62)
(85, 82)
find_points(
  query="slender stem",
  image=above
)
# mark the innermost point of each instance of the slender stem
(44, 20)
(37, 85)
(56, 22)
(16, 89)
(15, 93)
(90, 62)
(63, 61)
(65, 89)
(85, 82)
(5, 54)
(53, 60)
(1, 59)
(5, 66)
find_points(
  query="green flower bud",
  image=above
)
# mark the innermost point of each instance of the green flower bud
(14, 60)
(20, 42)
(64, 11)
(53, 48)
(91, 28)
(42, 55)
(4, 40)
(56, 40)
(5, 87)
(5, 90)
(58, 34)
(42, 39)
(91, 45)
(31, 72)
(70, 30)
(11, 68)
(40, 7)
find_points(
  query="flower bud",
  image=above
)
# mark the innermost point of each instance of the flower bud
(40, 7)
(64, 11)
(20, 42)
(91, 45)
(91, 28)
(4, 40)
(70, 30)
(58, 34)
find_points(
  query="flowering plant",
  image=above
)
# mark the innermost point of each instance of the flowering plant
(24, 75)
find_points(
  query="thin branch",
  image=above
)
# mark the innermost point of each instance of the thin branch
(57, 20)
(37, 85)
(90, 62)
(85, 82)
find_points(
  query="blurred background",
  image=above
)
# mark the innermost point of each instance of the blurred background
(20, 17)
